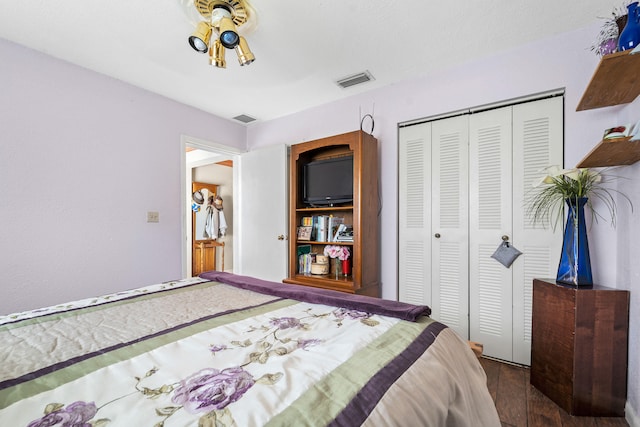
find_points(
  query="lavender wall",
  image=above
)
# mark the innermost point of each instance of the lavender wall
(627, 265)
(83, 157)
(559, 62)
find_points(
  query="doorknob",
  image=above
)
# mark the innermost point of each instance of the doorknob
(282, 237)
(437, 235)
(505, 238)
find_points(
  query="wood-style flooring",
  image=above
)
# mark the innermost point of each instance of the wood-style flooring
(520, 404)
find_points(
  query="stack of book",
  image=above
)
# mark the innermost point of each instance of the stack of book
(323, 227)
(344, 233)
(304, 263)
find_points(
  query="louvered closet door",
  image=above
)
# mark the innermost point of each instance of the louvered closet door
(490, 207)
(537, 143)
(509, 147)
(464, 179)
(450, 223)
(414, 214)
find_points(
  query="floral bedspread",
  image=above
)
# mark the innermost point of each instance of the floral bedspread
(210, 354)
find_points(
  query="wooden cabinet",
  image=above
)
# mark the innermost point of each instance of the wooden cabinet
(362, 213)
(205, 256)
(614, 82)
(579, 347)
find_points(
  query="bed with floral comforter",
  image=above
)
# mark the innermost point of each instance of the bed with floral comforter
(228, 350)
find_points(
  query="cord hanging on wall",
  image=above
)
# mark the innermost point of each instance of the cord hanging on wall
(372, 123)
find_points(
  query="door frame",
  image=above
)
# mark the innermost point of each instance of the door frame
(227, 153)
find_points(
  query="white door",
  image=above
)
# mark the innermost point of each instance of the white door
(466, 288)
(433, 219)
(537, 144)
(490, 207)
(263, 214)
(450, 222)
(509, 147)
(414, 218)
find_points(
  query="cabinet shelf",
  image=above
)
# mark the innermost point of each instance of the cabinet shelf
(612, 152)
(616, 81)
(326, 209)
(315, 242)
(328, 281)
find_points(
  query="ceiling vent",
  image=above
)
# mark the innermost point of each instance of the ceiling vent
(356, 79)
(244, 118)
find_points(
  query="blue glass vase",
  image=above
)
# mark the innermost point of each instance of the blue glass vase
(575, 263)
(630, 35)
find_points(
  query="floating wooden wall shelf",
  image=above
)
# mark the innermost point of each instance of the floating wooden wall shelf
(612, 152)
(616, 81)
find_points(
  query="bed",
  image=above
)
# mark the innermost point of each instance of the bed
(229, 350)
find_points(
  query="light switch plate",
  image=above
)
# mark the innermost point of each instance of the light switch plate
(153, 216)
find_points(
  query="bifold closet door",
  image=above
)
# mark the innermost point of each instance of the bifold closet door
(414, 214)
(537, 143)
(433, 219)
(509, 147)
(490, 220)
(450, 222)
(462, 188)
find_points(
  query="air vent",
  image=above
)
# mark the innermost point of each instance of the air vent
(356, 79)
(244, 118)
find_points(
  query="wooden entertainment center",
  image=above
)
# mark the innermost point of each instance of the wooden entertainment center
(362, 214)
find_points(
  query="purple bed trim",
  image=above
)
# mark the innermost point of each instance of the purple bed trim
(364, 303)
(360, 407)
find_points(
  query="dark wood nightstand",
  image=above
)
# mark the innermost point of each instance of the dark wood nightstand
(579, 347)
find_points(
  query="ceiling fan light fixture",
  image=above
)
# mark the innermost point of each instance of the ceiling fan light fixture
(245, 56)
(219, 30)
(216, 55)
(228, 35)
(201, 37)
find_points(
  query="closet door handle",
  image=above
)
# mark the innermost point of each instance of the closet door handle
(437, 235)
(505, 238)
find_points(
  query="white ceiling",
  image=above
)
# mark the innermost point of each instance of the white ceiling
(301, 46)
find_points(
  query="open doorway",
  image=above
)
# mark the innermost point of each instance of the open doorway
(208, 162)
(211, 232)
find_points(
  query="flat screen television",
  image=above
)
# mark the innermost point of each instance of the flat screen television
(328, 182)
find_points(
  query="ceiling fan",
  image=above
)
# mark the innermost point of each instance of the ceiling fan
(217, 29)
